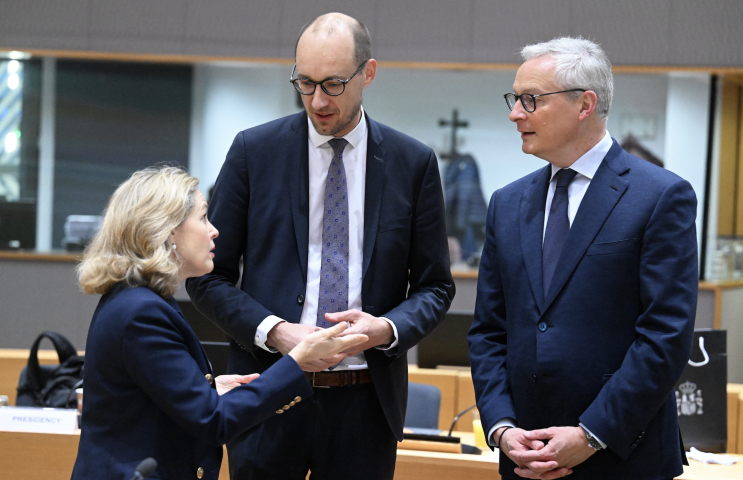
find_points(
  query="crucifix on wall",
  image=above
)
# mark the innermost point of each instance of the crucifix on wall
(454, 123)
(465, 204)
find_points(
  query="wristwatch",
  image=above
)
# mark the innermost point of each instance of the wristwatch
(593, 442)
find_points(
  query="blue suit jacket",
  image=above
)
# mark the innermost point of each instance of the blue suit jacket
(261, 208)
(146, 394)
(619, 316)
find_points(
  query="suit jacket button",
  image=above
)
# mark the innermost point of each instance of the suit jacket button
(199, 472)
(300, 299)
(542, 327)
(287, 407)
(297, 399)
(279, 411)
(209, 378)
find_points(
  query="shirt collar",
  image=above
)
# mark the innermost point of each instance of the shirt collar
(354, 137)
(591, 160)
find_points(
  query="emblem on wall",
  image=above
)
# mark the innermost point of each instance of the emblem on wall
(689, 400)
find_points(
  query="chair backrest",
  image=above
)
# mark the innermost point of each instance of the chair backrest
(424, 402)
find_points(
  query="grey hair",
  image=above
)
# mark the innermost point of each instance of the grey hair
(579, 63)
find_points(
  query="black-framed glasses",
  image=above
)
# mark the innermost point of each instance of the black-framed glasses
(331, 86)
(529, 101)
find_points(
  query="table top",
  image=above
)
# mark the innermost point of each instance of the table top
(54, 454)
(488, 462)
(699, 471)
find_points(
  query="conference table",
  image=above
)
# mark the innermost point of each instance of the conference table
(36, 456)
(420, 465)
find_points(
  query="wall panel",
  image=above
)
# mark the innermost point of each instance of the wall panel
(634, 32)
(138, 18)
(501, 29)
(234, 27)
(706, 33)
(407, 32)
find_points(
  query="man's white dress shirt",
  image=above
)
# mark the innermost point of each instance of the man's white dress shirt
(354, 161)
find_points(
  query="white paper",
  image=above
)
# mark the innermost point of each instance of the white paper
(705, 457)
(38, 420)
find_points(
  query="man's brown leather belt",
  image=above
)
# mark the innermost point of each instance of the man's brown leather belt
(343, 378)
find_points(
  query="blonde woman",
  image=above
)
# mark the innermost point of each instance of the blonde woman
(149, 389)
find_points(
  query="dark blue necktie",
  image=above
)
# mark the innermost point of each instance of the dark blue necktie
(558, 226)
(334, 270)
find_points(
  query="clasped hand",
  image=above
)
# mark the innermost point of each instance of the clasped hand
(286, 336)
(379, 331)
(566, 448)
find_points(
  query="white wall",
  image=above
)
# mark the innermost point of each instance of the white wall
(714, 187)
(413, 101)
(640, 98)
(228, 98)
(687, 126)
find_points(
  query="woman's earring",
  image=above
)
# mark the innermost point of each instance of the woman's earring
(174, 246)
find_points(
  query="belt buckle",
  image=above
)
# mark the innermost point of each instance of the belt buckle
(317, 386)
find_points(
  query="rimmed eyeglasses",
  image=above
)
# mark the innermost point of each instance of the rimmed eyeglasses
(331, 86)
(529, 101)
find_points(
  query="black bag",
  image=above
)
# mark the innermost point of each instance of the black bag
(51, 385)
(701, 393)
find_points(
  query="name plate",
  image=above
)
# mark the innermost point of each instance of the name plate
(38, 420)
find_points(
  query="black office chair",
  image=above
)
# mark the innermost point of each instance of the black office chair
(424, 402)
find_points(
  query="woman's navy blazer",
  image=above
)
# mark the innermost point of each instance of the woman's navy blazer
(147, 395)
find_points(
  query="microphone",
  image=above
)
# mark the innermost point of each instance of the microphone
(469, 449)
(456, 419)
(145, 468)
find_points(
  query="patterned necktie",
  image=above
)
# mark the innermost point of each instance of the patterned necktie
(558, 226)
(334, 270)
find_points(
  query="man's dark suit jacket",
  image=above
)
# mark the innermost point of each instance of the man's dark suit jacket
(608, 341)
(261, 209)
(146, 394)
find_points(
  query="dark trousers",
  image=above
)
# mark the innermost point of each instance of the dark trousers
(338, 433)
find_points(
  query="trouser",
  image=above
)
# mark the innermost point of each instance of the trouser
(337, 433)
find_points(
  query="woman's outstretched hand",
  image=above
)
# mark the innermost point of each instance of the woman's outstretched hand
(322, 349)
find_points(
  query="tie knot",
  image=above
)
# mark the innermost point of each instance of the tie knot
(338, 144)
(564, 176)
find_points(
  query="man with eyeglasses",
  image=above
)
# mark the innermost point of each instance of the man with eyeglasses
(587, 288)
(337, 218)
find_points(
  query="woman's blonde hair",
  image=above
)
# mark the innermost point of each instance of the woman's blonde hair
(132, 245)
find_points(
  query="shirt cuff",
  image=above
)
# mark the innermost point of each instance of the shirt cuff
(503, 422)
(394, 336)
(261, 333)
(603, 445)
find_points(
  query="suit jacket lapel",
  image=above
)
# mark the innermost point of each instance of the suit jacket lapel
(206, 363)
(531, 227)
(374, 185)
(296, 152)
(604, 191)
